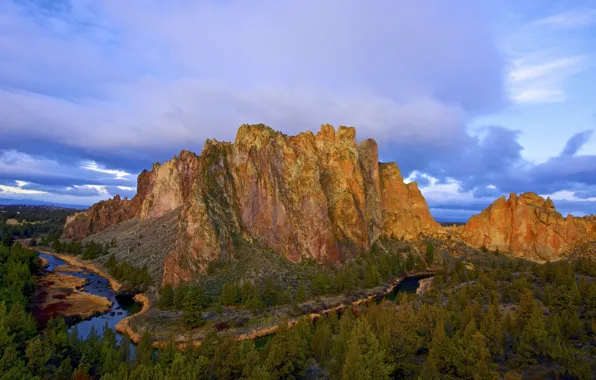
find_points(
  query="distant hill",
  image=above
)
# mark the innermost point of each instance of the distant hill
(33, 202)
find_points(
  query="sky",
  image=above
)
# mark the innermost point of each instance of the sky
(473, 100)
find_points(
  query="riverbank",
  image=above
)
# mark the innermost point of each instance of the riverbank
(183, 341)
(74, 265)
(115, 284)
(124, 327)
(60, 294)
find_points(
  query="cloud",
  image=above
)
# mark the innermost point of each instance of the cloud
(99, 189)
(93, 166)
(546, 54)
(569, 19)
(411, 75)
(576, 142)
(12, 190)
(293, 69)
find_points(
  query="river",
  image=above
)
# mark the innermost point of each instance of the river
(408, 285)
(122, 306)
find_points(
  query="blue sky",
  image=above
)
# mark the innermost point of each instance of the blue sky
(472, 99)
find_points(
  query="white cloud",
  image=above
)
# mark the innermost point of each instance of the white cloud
(538, 96)
(294, 69)
(545, 54)
(21, 183)
(126, 188)
(93, 166)
(538, 78)
(4, 189)
(524, 71)
(566, 195)
(570, 19)
(98, 188)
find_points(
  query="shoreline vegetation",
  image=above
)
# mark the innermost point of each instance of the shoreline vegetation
(125, 327)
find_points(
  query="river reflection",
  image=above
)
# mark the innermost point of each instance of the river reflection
(122, 306)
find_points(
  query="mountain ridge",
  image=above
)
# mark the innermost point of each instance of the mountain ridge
(321, 197)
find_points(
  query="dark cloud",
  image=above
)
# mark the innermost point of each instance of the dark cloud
(576, 142)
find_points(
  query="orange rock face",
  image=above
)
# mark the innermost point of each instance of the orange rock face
(527, 226)
(321, 197)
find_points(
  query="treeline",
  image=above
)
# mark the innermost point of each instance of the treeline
(366, 271)
(32, 221)
(126, 272)
(90, 250)
(498, 322)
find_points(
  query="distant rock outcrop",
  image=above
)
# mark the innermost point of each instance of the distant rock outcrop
(321, 197)
(527, 226)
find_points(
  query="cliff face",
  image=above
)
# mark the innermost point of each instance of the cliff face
(321, 197)
(527, 226)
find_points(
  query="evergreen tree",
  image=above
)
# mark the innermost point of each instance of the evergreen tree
(301, 294)
(430, 254)
(364, 358)
(7, 240)
(286, 359)
(192, 317)
(533, 337)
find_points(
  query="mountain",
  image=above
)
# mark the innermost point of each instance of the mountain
(528, 226)
(319, 196)
(33, 202)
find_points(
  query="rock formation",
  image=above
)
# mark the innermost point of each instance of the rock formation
(321, 197)
(527, 226)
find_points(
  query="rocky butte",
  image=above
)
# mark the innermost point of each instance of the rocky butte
(312, 196)
(528, 226)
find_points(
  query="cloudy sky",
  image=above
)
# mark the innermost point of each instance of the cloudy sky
(472, 99)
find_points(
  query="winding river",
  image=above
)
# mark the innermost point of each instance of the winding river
(122, 306)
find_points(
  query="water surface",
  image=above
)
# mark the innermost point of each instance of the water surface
(122, 306)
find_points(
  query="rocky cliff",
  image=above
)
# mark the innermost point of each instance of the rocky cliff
(311, 196)
(527, 226)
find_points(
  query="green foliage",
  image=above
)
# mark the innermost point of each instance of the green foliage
(32, 221)
(230, 294)
(125, 272)
(192, 317)
(430, 254)
(468, 323)
(364, 358)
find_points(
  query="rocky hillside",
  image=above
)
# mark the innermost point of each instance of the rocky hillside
(528, 226)
(321, 197)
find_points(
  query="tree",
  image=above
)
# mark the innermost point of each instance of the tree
(38, 355)
(192, 317)
(534, 335)
(322, 341)
(301, 294)
(372, 277)
(166, 296)
(364, 359)
(430, 254)
(438, 362)
(7, 239)
(287, 358)
(230, 294)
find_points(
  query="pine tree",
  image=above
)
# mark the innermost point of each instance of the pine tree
(430, 254)
(192, 317)
(230, 294)
(287, 358)
(322, 341)
(372, 277)
(301, 293)
(533, 337)
(364, 357)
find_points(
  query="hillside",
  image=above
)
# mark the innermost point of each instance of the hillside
(319, 197)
